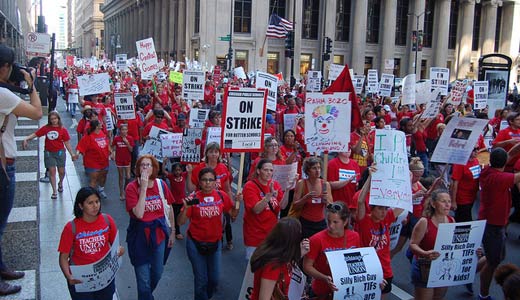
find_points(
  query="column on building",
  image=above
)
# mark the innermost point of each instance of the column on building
(157, 28)
(330, 32)
(189, 27)
(297, 39)
(151, 17)
(465, 37)
(181, 33)
(441, 33)
(418, 9)
(388, 34)
(135, 21)
(359, 35)
(487, 27)
(165, 7)
(510, 36)
(142, 21)
(172, 35)
(128, 26)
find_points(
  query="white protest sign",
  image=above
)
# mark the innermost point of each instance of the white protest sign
(193, 85)
(356, 273)
(121, 62)
(124, 104)
(37, 44)
(191, 141)
(327, 119)
(313, 81)
(297, 285)
(218, 98)
(457, 92)
(246, 290)
(270, 82)
(439, 78)
(433, 105)
(244, 116)
(334, 71)
(386, 85)
(153, 145)
(408, 90)
(285, 174)
(171, 144)
(98, 275)
(372, 81)
(288, 121)
(458, 140)
(480, 90)
(93, 84)
(422, 91)
(240, 73)
(147, 57)
(198, 117)
(213, 135)
(109, 121)
(358, 81)
(457, 244)
(395, 229)
(389, 185)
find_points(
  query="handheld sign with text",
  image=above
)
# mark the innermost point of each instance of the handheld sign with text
(193, 85)
(372, 81)
(197, 117)
(408, 90)
(93, 84)
(191, 141)
(121, 62)
(214, 135)
(124, 103)
(334, 71)
(175, 77)
(386, 85)
(147, 57)
(153, 145)
(439, 78)
(433, 104)
(171, 144)
(244, 116)
(358, 81)
(269, 82)
(422, 91)
(457, 92)
(109, 120)
(481, 89)
(457, 244)
(240, 73)
(313, 81)
(284, 174)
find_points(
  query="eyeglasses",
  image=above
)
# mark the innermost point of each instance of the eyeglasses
(334, 207)
(272, 145)
(206, 180)
(146, 165)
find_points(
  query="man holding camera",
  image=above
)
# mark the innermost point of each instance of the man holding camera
(11, 107)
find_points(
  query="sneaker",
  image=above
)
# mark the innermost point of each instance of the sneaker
(229, 246)
(8, 289)
(45, 179)
(485, 298)
(103, 194)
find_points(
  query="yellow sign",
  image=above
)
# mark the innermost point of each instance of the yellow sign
(176, 77)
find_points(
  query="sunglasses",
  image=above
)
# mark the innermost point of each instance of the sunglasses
(334, 207)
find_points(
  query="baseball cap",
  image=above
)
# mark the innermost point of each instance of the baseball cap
(387, 107)
(269, 118)
(181, 116)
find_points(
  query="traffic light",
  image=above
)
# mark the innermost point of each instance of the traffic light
(326, 56)
(328, 45)
(230, 55)
(289, 45)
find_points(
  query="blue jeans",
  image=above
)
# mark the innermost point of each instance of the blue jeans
(6, 202)
(73, 109)
(148, 275)
(104, 294)
(206, 270)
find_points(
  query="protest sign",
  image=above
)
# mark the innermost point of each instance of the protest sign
(176, 77)
(313, 81)
(147, 57)
(69, 61)
(327, 119)
(422, 91)
(358, 81)
(121, 62)
(246, 290)
(244, 116)
(171, 144)
(93, 84)
(386, 85)
(433, 105)
(218, 98)
(153, 145)
(395, 229)
(480, 90)
(458, 140)
(270, 82)
(439, 78)
(191, 145)
(288, 121)
(213, 135)
(457, 244)
(109, 121)
(334, 71)
(98, 275)
(193, 85)
(285, 174)
(124, 104)
(408, 90)
(457, 92)
(240, 73)
(372, 81)
(37, 44)
(389, 186)
(356, 273)
(198, 117)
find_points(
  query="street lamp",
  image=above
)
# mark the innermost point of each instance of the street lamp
(417, 35)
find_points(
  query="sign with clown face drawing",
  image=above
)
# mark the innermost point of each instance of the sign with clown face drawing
(327, 122)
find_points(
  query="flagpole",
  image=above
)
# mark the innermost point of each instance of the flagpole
(263, 44)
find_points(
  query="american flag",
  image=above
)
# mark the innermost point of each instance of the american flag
(278, 27)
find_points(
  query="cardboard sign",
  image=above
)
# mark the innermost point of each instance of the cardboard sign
(327, 119)
(439, 78)
(270, 82)
(38, 44)
(176, 77)
(124, 104)
(457, 244)
(372, 81)
(313, 81)
(193, 85)
(390, 185)
(358, 81)
(334, 71)
(147, 57)
(408, 90)
(93, 84)
(191, 141)
(386, 85)
(244, 117)
(480, 90)
(153, 145)
(214, 134)
(458, 140)
(171, 144)
(198, 117)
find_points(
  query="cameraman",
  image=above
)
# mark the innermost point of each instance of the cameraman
(11, 107)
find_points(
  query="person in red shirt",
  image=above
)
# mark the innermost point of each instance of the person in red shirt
(178, 181)
(273, 261)
(56, 140)
(270, 125)
(209, 94)
(181, 123)
(464, 187)
(343, 173)
(86, 240)
(95, 148)
(271, 152)
(509, 137)
(158, 121)
(336, 236)
(96, 103)
(123, 146)
(135, 130)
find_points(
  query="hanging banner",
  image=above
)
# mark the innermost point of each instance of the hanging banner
(198, 117)
(147, 57)
(458, 140)
(372, 81)
(244, 117)
(433, 105)
(356, 273)
(191, 141)
(358, 81)
(408, 90)
(313, 81)
(153, 145)
(269, 82)
(386, 85)
(171, 144)
(389, 185)
(193, 85)
(214, 134)
(94, 84)
(124, 104)
(327, 119)
(481, 90)
(439, 78)
(457, 244)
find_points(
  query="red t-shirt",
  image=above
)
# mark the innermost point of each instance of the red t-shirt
(123, 154)
(54, 137)
(419, 138)
(92, 240)
(223, 175)
(94, 148)
(272, 271)
(336, 170)
(507, 134)
(417, 203)
(148, 127)
(133, 127)
(252, 169)
(257, 226)
(495, 196)
(99, 108)
(178, 187)
(467, 177)
(322, 242)
(206, 217)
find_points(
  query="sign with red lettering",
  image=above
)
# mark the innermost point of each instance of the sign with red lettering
(147, 57)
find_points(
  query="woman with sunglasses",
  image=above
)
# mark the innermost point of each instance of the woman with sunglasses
(205, 210)
(336, 236)
(271, 152)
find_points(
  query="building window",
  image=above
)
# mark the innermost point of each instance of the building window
(343, 11)
(278, 7)
(242, 23)
(368, 64)
(310, 19)
(476, 27)
(273, 58)
(241, 59)
(197, 16)
(305, 63)
(374, 11)
(397, 67)
(497, 28)
(428, 23)
(401, 23)
(338, 60)
(454, 16)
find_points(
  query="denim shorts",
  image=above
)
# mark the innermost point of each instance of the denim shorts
(92, 170)
(54, 159)
(420, 272)
(494, 242)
